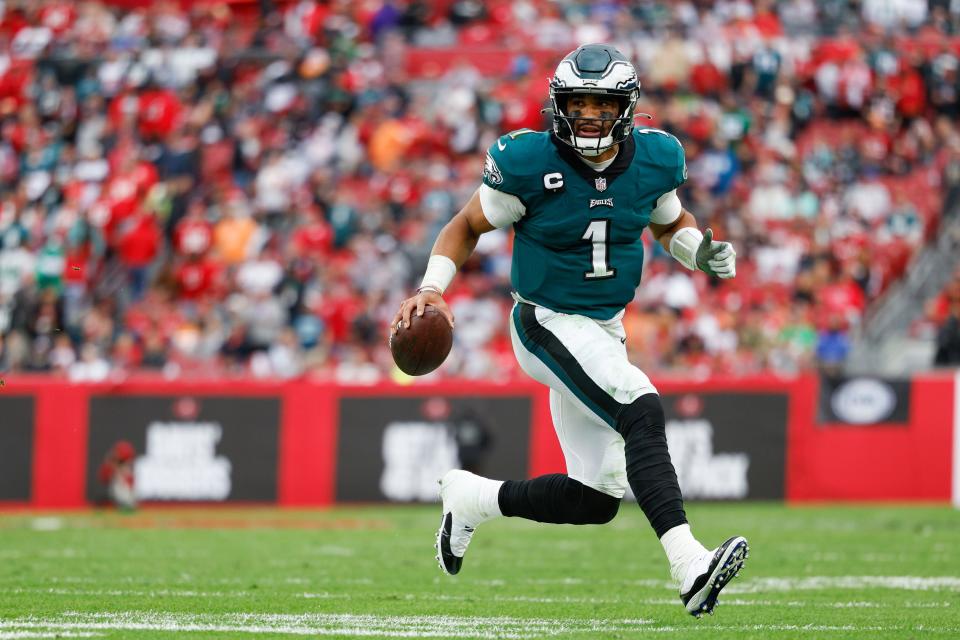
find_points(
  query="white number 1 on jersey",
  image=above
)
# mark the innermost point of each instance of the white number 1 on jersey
(597, 233)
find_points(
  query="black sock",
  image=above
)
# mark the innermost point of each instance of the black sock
(649, 469)
(558, 499)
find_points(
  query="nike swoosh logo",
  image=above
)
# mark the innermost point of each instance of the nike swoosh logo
(623, 341)
(501, 146)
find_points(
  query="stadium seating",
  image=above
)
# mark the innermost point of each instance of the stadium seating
(197, 190)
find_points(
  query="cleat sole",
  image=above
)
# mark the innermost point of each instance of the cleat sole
(726, 570)
(443, 547)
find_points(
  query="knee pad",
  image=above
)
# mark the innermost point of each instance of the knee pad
(557, 498)
(598, 507)
(645, 413)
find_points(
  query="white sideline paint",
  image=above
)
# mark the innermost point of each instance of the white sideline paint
(956, 441)
(47, 634)
(788, 583)
(132, 593)
(332, 550)
(727, 602)
(48, 523)
(743, 586)
(86, 625)
(816, 583)
(740, 602)
(326, 595)
(326, 625)
(159, 593)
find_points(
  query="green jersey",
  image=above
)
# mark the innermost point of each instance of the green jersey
(577, 247)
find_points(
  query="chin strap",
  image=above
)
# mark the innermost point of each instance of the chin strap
(589, 150)
(603, 144)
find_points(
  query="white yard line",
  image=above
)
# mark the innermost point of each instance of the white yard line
(326, 624)
(83, 625)
(815, 628)
(131, 593)
(326, 595)
(819, 583)
(746, 586)
(727, 602)
(18, 635)
(48, 523)
(782, 583)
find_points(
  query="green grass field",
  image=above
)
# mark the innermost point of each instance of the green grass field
(836, 572)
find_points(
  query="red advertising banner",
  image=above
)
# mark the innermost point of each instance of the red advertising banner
(306, 443)
(882, 461)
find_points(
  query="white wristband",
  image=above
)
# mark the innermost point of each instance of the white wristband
(439, 274)
(684, 244)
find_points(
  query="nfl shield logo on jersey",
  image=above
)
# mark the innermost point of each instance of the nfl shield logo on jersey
(601, 184)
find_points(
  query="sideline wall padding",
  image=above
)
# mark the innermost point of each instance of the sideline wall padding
(873, 462)
(820, 462)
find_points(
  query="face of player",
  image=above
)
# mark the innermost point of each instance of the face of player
(596, 114)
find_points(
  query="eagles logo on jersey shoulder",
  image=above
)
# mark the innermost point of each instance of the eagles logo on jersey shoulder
(491, 172)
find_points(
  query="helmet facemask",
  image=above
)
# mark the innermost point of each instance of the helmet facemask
(565, 124)
(601, 70)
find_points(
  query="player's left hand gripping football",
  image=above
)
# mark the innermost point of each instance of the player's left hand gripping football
(416, 304)
(716, 258)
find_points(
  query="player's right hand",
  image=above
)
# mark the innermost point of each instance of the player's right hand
(416, 304)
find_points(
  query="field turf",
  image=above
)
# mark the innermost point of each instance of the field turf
(832, 572)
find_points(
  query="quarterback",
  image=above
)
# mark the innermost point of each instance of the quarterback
(578, 198)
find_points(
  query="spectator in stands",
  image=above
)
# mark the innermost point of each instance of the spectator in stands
(138, 246)
(91, 366)
(154, 350)
(62, 355)
(833, 346)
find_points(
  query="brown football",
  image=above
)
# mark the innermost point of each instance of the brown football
(424, 345)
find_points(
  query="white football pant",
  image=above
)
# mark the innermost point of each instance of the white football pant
(584, 362)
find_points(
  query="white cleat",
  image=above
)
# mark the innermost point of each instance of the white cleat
(460, 492)
(710, 573)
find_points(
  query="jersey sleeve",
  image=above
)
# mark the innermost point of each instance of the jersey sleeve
(492, 175)
(665, 152)
(503, 168)
(668, 208)
(506, 178)
(679, 166)
(501, 209)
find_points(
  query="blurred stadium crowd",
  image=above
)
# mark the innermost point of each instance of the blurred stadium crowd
(220, 188)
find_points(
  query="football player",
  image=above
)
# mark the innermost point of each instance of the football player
(579, 198)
